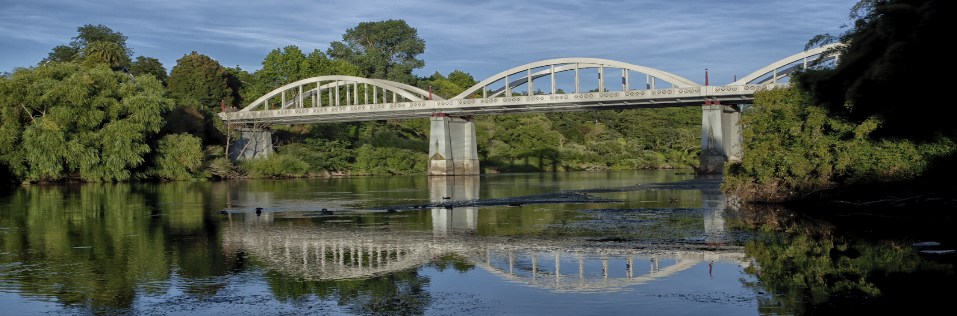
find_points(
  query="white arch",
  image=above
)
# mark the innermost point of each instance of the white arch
(406, 91)
(805, 55)
(566, 64)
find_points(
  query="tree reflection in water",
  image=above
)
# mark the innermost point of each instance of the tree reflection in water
(811, 266)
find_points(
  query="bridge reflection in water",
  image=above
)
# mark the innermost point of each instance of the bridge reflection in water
(331, 252)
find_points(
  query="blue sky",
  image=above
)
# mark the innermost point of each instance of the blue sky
(482, 38)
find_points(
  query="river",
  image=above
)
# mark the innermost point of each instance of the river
(578, 243)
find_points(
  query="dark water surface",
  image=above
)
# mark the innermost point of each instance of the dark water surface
(582, 243)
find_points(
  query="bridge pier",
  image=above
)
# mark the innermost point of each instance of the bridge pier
(453, 149)
(252, 143)
(720, 136)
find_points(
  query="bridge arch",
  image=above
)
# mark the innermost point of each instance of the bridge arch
(785, 67)
(313, 87)
(528, 72)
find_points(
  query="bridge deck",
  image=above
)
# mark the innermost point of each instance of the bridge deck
(690, 96)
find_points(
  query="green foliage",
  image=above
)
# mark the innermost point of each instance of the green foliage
(792, 147)
(198, 80)
(149, 66)
(321, 155)
(109, 53)
(383, 50)
(247, 85)
(276, 166)
(178, 157)
(62, 53)
(448, 87)
(94, 44)
(65, 121)
(223, 168)
(812, 268)
(890, 48)
(289, 64)
(89, 33)
(385, 160)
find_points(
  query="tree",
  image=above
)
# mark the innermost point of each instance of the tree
(178, 157)
(108, 53)
(246, 83)
(64, 121)
(282, 66)
(90, 43)
(149, 66)
(200, 81)
(383, 50)
(882, 69)
(62, 53)
(450, 86)
(89, 34)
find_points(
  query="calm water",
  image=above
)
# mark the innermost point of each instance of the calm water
(438, 246)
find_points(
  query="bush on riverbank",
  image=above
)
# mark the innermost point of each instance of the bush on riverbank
(793, 148)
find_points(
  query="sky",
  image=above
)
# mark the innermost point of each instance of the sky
(730, 38)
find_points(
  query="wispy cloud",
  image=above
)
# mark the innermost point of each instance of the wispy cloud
(479, 37)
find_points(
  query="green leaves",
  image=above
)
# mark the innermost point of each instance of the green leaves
(793, 147)
(178, 157)
(382, 50)
(64, 121)
(200, 81)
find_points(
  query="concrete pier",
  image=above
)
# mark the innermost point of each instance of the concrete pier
(720, 137)
(252, 143)
(453, 149)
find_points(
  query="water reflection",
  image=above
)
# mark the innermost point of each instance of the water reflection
(121, 248)
(329, 253)
(323, 251)
(445, 220)
(714, 204)
(811, 266)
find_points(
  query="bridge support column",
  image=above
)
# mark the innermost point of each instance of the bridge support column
(720, 136)
(252, 143)
(453, 150)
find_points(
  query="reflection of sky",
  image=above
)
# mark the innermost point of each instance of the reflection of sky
(690, 292)
(476, 291)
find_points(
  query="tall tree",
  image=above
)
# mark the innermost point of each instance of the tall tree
(198, 80)
(384, 49)
(289, 64)
(90, 43)
(450, 86)
(282, 66)
(89, 34)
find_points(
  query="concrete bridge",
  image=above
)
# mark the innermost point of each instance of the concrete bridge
(534, 87)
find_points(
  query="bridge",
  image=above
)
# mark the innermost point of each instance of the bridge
(453, 147)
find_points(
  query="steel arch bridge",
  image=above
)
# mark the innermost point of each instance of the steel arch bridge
(336, 98)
